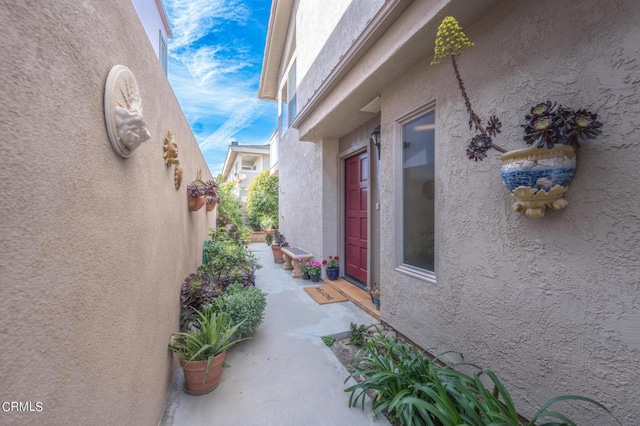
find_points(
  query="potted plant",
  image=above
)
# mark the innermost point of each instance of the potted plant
(332, 267)
(303, 268)
(268, 239)
(195, 194)
(202, 352)
(374, 292)
(537, 177)
(210, 189)
(278, 240)
(313, 269)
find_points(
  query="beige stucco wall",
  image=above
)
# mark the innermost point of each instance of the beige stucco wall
(94, 247)
(551, 305)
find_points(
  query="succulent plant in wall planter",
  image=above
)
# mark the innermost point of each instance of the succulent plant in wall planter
(196, 193)
(211, 194)
(537, 177)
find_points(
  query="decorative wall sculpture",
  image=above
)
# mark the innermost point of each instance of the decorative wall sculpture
(170, 149)
(123, 111)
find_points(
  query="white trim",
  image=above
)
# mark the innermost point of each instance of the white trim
(412, 271)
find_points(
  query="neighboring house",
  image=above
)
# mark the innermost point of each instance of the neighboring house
(243, 164)
(552, 305)
(154, 19)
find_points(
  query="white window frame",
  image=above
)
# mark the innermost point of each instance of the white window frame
(400, 266)
(284, 120)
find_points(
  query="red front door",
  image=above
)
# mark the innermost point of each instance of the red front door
(356, 186)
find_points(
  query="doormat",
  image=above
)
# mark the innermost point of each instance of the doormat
(325, 294)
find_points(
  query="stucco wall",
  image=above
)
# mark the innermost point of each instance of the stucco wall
(300, 198)
(316, 21)
(552, 305)
(94, 247)
(320, 51)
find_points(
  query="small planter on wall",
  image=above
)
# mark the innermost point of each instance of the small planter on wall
(196, 193)
(538, 178)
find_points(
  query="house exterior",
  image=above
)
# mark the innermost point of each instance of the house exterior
(552, 304)
(243, 163)
(155, 21)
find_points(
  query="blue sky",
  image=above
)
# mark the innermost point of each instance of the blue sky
(215, 58)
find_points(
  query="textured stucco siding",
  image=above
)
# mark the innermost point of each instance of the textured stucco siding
(552, 305)
(316, 21)
(94, 247)
(317, 63)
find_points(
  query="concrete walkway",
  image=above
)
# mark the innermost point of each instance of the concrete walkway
(285, 375)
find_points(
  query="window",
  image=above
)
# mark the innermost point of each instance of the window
(291, 84)
(416, 178)
(283, 120)
(288, 100)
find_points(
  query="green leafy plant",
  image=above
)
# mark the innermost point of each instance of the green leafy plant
(415, 390)
(268, 239)
(245, 306)
(332, 263)
(357, 334)
(229, 207)
(329, 340)
(213, 336)
(262, 200)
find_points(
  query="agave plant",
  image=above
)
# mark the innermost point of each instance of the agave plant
(214, 336)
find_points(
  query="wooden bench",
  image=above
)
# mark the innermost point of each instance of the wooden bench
(292, 258)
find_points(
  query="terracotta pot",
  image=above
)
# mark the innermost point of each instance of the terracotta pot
(196, 382)
(278, 256)
(196, 204)
(210, 207)
(538, 178)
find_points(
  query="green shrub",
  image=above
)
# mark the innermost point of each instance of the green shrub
(244, 304)
(417, 391)
(229, 208)
(357, 334)
(262, 201)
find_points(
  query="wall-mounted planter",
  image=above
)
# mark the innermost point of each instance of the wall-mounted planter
(211, 204)
(196, 204)
(538, 178)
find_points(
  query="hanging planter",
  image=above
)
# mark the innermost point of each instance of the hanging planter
(537, 177)
(195, 193)
(211, 195)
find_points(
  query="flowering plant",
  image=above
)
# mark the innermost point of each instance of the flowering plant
(332, 263)
(547, 124)
(313, 267)
(303, 265)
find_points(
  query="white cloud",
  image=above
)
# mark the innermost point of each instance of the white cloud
(193, 19)
(243, 115)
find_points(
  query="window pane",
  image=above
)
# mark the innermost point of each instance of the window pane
(418, 185)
